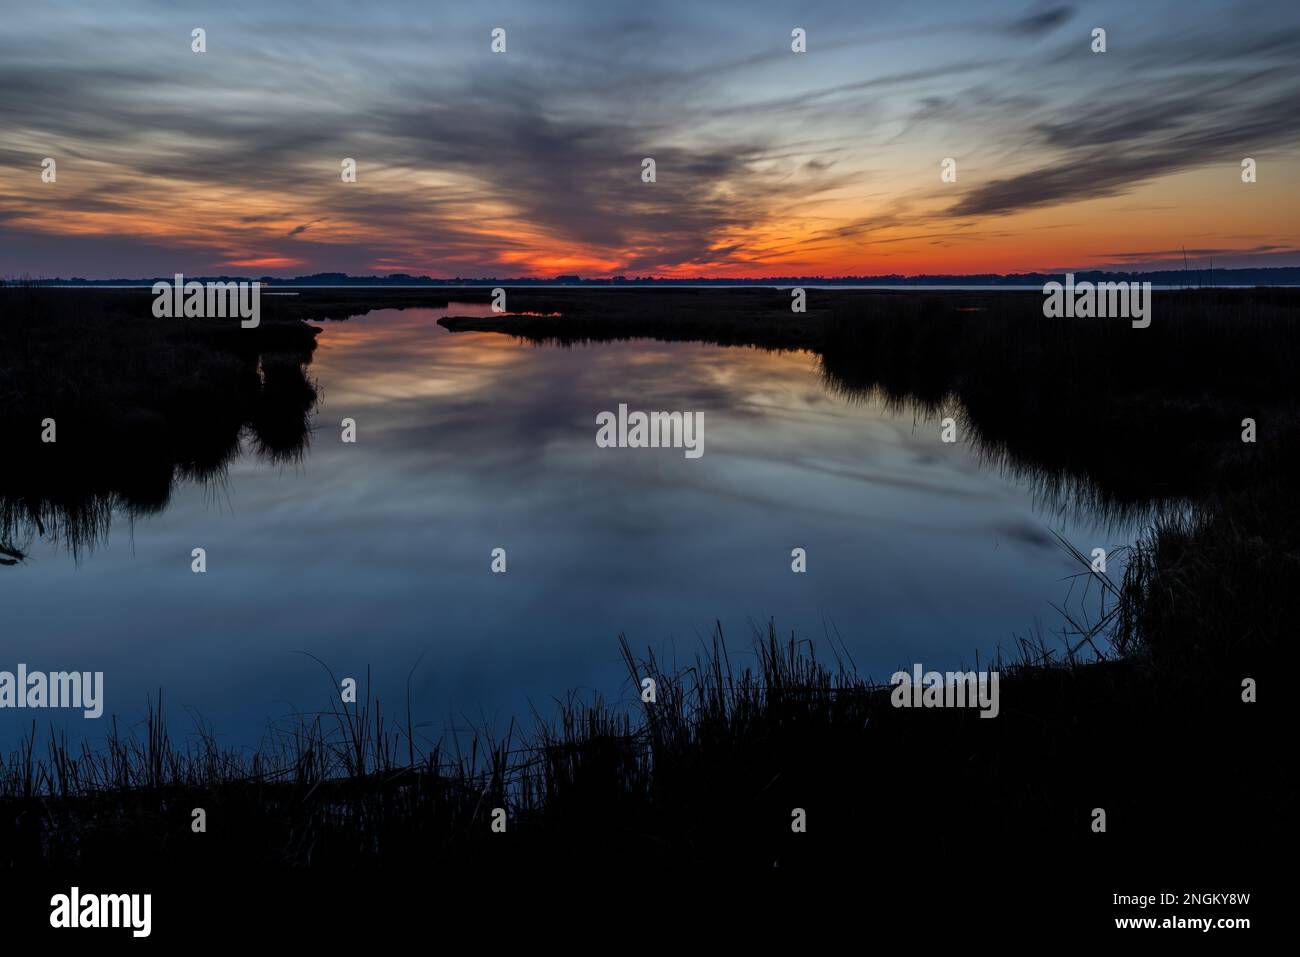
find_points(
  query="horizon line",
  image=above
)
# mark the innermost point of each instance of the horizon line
(575, 279)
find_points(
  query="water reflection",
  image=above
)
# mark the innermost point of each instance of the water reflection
(377, 553)
(127, 462)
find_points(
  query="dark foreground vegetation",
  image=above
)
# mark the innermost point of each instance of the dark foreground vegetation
(709, 774)
(1139, 711)
(137, 404)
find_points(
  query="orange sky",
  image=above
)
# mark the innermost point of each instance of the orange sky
(768, 162)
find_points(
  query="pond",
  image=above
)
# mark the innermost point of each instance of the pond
(376, 556)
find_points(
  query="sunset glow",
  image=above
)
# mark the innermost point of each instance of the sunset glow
(769, 162)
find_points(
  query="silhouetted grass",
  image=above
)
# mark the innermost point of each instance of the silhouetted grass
(138, 404)
(1096, 415)
(709, 772)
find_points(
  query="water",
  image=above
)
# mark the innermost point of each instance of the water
(377, 553)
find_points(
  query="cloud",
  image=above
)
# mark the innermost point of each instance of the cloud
(299, 230)
(484, 164)
(1037, 24)
(1145, 124)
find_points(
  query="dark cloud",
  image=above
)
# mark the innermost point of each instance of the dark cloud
(1045, 21)
(299, 230)
(1148, 124)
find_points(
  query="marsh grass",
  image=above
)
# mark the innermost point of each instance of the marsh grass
(1097, 417)
(140, 404)
(709, 772)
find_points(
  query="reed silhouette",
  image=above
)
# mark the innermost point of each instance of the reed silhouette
(707, 774)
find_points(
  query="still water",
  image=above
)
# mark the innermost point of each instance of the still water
(377, 554)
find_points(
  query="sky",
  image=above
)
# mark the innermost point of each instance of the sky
(768, 162)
